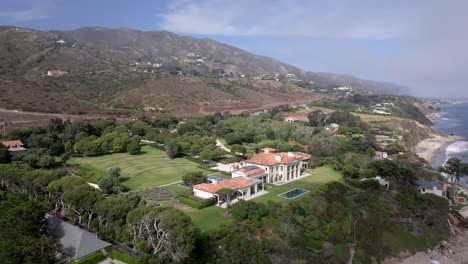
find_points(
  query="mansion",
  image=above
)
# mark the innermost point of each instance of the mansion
(254, 173)
(279, 167)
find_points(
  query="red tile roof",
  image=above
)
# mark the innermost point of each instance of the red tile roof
(269, 159)
(12, 143)
(237, 183)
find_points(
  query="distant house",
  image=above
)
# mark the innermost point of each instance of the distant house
(14, 146)
(433, 187)
(77, 243)
(56, 73)
(290, 119)
(382, 182)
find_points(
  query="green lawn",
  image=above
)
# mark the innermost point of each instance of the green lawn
(212, 217)
(149, 169)
(209, 218)
(318, 177)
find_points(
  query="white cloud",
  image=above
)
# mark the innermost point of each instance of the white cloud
(283, 18)
(426, 40)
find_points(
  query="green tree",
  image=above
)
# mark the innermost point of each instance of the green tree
(317, 118)
(21, 237)
(173, 150)
(5, 156)
(238, 150)
(120, 143)
(193, 178)
(230, 245)
(56, 149)
(111, 183)
(134, 147)
(185, 128)
(166, 233)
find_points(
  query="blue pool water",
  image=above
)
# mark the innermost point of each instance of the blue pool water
(293, 193)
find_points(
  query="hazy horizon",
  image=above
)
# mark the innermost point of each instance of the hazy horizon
(419, 44)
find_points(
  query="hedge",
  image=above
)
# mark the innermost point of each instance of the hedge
(123, 257)
(197, 204)
(93, 259)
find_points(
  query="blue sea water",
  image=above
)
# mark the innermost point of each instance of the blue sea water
(454, 121)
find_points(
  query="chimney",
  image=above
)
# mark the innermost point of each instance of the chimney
(277, 157)
(290, 154)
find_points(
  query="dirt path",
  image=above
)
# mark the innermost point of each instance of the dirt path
(220, 145)
(183, 207)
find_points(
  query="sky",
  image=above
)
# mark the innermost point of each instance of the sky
(418, 44)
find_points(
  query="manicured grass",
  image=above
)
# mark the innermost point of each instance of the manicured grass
(93, 259)
(114, 254)
(209, 218)
(319, 177)
(365, 117)
(149, 169)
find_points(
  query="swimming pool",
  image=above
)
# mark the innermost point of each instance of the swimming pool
(291, 194)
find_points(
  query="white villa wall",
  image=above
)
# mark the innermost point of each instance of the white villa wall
(433, 191)
(276, 171)
(202, 194)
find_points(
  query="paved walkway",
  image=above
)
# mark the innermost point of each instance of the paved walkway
(111, 261)
(172, 183)
(259, 193)
(220, 145)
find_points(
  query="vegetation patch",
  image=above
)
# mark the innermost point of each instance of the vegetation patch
(123, 257)
(93, 259)
(209, 218)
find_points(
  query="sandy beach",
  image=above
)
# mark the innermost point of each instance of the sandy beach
(454, 253)
(431, 149)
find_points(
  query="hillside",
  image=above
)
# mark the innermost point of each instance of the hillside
(101, 70)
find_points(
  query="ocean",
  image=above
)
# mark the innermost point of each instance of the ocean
(453, 120)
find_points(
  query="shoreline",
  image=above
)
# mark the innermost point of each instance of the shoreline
(433, 149)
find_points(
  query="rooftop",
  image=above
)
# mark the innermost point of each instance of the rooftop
(251, 170)
(77, 243)
(270, 159)
(429, 185)
(236, 183)
(12, 143)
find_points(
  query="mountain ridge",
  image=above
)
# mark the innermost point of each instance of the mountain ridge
(96, 69)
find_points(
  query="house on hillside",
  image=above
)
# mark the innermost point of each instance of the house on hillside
(382, 182)
(279, 167)
(56, 73)
(433, 187)
(246, 187)
(77, 243)
(15, 147)
(290, 119)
